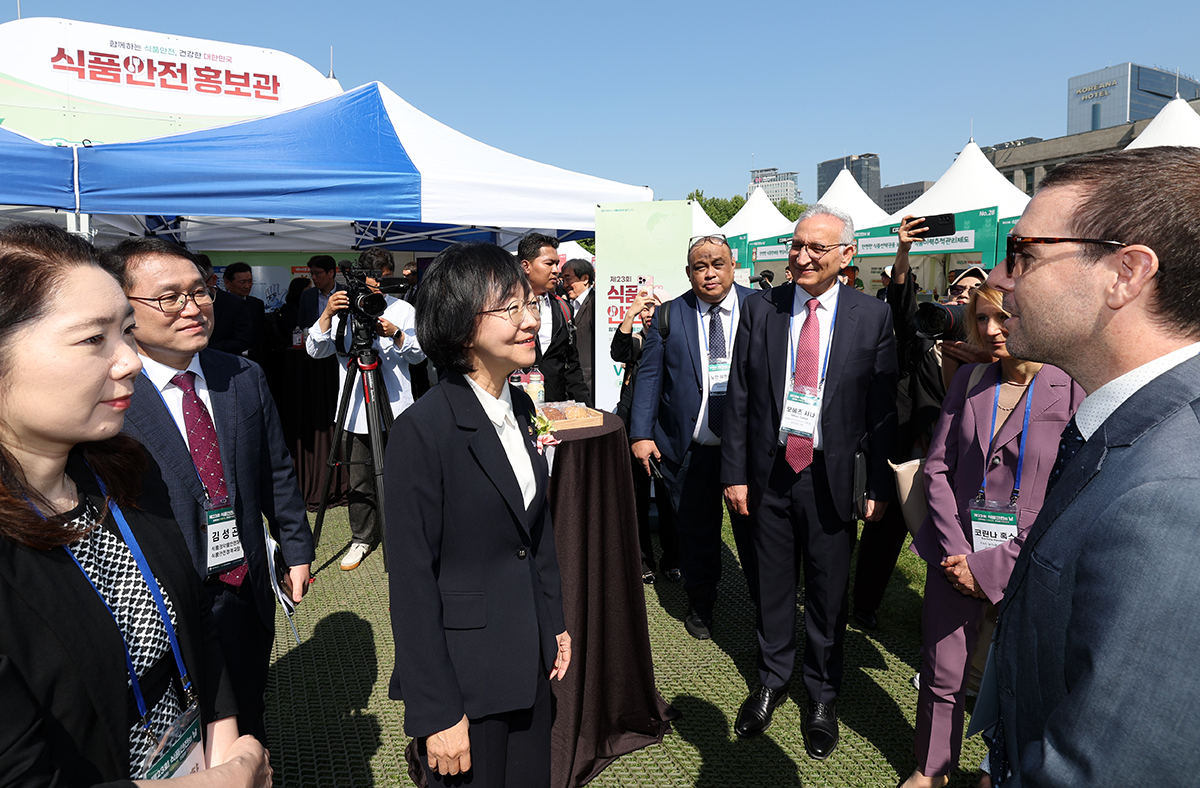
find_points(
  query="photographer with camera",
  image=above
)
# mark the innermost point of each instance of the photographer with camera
(929, 336)
(360, 314)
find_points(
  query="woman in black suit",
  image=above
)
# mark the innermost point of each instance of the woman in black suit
(476, 601)
(80, 618)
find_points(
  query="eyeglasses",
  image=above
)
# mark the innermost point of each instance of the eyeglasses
(816, 251)
(715, 238)
(1014, 244)
(957, 290)
(516, 312)
(170, 303)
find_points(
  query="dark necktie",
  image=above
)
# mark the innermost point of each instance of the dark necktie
(1068, 446)
(206, 454)
(799, 452)
(716, 350)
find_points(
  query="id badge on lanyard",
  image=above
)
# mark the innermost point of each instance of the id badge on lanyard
(178, 752)
(221, 536)
(801, 410)
(718, 375)
(992, 523)
(995, 522)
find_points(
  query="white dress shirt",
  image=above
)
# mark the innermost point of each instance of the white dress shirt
(1100, 404)
(578, 302)
(729, 318)
(395, 354)
(546, 329)
(826, 311)
(160, 375)
(500, 413)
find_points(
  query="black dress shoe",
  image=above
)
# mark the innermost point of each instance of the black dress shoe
(698, 627)
(754, 716)
(866, 619)
(674, 575)
(820, 730)
(648, 578)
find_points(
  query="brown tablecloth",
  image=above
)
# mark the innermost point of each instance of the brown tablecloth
(608, 704)
(306, 394)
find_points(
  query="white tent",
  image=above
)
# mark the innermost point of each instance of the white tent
(569, 250)
(758, 218)
(845, 194)
(1175, 124)
(971, 182)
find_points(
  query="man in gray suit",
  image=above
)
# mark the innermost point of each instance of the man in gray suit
(208, 420)
(1097, 643)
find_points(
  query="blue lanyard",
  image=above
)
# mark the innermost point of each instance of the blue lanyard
(1024, 435)
(148, 576)
(732, 319)
(792, 345)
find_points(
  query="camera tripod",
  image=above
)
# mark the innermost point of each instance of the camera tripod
(363, 368)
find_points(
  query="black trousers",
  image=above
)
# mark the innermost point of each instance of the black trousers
(510, 749)
(878, 551)
(797, 517)
(364, 517)
(666, 520)
(247, 643)
(698, 498)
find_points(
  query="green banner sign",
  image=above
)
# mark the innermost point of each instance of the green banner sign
(975, 232)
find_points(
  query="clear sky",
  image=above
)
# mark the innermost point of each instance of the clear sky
(680, 96)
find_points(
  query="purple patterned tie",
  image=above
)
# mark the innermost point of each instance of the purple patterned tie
(206, 455)
(799, 451)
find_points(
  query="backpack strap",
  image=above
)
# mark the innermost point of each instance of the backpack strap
(664, 319)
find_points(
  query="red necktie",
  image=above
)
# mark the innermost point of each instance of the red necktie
(206, 455)
(799, 451)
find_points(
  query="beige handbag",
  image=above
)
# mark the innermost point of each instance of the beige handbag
(910, 476)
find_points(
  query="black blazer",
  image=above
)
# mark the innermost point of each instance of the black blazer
(309, 303)
(475, 592)
(858, 411)
(559, 363)
(233, 324)
(67, 705)
(585, 342)
(259, 472)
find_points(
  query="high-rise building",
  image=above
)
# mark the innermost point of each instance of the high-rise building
(777, 185)
(893, 198)
(1122, 94)
(864, 168)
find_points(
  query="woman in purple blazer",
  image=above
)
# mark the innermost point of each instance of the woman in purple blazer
(977, 522)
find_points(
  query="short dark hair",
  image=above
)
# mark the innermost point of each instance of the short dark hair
(297, 286)
(323, 261)
(35, 259)
(582, 269)
(768, 274)
(462, 281)
(376, 257)
(1147, 196)
(233, 269)
(530, 245)
(118, 258)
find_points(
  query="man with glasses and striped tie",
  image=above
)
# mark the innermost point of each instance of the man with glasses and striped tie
(813, 384)
(678, 414)
(1095, 651)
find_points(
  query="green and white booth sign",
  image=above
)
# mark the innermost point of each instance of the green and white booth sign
(974, 243)
(770, 253)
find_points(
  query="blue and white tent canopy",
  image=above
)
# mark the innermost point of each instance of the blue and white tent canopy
(35, 174)
(358, 169)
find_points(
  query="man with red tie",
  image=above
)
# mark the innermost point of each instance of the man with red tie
(208, 420)
(813, 383)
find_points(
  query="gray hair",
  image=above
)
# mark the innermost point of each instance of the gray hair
(847, 235)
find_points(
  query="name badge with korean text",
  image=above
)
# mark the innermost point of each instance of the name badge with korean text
(801, 409)
(718, 375)
(992, 523)
(178, 752)
(221, 536)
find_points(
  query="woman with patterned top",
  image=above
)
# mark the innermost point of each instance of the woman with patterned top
(107, 650)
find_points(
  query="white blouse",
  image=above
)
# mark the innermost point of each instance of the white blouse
(500, 413)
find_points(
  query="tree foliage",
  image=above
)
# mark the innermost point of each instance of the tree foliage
(721, 210)
(587, 243)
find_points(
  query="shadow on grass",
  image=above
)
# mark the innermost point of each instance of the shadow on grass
(724, 763)
(332, 743)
